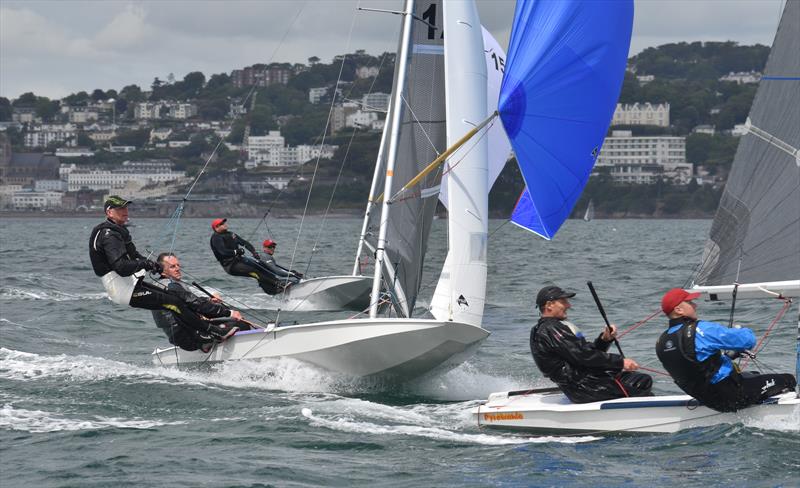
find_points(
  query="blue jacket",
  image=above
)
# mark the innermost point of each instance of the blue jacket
(712, 337)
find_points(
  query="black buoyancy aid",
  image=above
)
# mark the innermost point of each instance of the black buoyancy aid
(99, 238)
(677, 353)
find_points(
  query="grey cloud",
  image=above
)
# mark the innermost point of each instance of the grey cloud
(58, 47)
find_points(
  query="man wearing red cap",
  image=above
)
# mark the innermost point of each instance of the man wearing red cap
(229, 249)
(583, 370)
(691, 350)
(286, 275)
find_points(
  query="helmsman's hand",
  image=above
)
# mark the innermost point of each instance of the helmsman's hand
(610, 334)
(629, 365)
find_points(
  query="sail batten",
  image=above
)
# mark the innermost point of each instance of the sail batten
(755, 236)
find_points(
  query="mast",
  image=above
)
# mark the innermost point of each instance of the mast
(372, 189)
(396, 111)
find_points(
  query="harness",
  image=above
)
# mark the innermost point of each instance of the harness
(677, 353)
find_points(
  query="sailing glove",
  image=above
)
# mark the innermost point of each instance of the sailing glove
(220, 332)
(152, 266)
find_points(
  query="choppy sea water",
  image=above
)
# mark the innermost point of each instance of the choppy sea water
(82, 405)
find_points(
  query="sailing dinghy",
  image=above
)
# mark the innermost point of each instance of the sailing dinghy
(352, 292)
(753, 251)
(401, 346)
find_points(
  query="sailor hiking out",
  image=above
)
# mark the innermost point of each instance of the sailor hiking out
(184, 335)
(584, 371)
(229, 249)
(691, 350)
(121, 269)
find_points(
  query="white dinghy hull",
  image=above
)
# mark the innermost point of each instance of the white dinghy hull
(398, 349)
(658, 414)
(329, 293)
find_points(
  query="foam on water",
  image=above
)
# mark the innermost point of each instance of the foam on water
(38, 421)
(435, 433)
(7, 293)
(465, 382)
(789, 423)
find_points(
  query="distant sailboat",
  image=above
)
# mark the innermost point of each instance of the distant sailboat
(589, 215)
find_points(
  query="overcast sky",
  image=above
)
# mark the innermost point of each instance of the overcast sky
(55, 48)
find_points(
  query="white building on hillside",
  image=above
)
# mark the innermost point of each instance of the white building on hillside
(30, 199)
(643, 160)
(367, 72)
(376, 101)
(182, 111)
(361, 120)
(316, 94)
(143, 172)
(45, 135)
(265, 149)
(641, 114)
(742, 77)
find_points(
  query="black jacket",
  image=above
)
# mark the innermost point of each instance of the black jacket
(111, 249)
(269, 262)
(677, 353)
(566, 358)
(224, 246)
(203, 306)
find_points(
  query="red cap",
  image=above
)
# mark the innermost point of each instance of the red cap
(269, 243)
(217, 222)
(675, 297)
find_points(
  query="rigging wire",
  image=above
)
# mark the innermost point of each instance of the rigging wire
(339, 175)
(319, 156)
(179, 210)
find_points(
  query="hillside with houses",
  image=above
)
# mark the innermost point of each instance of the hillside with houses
(260, 132)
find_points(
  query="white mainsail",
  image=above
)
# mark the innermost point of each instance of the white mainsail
(461, 292)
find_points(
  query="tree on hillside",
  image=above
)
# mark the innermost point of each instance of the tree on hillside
(98, 95)
(260, 120)
(136, 138)
(47, 109)
(80, 98)
(218, 81)
(192, 84)
(132, 93)
(27, 99)
(5, 109)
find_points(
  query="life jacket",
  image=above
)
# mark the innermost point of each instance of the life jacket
(677, 353)
(119, 288)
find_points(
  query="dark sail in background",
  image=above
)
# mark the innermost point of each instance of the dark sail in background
(758, 219)
(422, 137)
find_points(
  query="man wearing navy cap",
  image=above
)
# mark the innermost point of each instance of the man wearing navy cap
(583, 370)
(691, 350)
(121, 269)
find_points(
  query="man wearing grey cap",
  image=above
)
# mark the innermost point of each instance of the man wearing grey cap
(121, 269)
(583, 370)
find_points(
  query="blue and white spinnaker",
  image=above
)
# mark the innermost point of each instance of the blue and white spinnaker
(566, 61)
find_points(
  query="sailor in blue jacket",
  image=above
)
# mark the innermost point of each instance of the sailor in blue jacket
(691, 350)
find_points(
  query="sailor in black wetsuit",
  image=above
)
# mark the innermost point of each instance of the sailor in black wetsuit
(121, 269)
(286, 275)
(584, 371)
(178, 333)
(229, 250)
